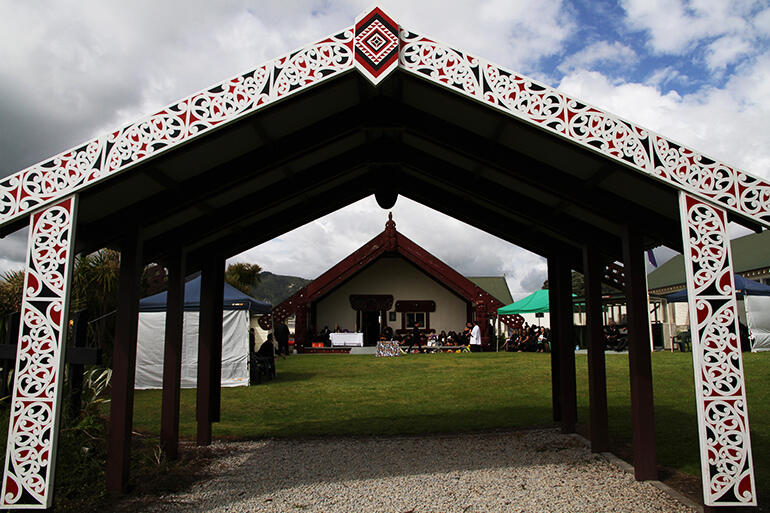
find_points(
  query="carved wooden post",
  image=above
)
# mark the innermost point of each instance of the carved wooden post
(720, 391)
(35, 405)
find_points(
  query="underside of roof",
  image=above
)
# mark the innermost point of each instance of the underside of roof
(304, 135)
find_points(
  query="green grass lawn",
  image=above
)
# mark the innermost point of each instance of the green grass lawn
(322, 395)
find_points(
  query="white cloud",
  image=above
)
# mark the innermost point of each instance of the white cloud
(674, 26)
(310, 250)
(730, 123)
(725, 50)
(600, 52)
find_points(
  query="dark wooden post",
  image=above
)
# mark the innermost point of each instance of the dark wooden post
(124, 362)
(216, 346)
(553, 314)
(566, 348)
(207, 331)
(300, 327)
(79, 331)
(639, 359)
(172, 354)
(597, 379)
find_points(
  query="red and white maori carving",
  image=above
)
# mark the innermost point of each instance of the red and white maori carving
(33, 427)
(723, 423)
(190, 117)
(439, 63)
(579, 122)
(313, 64)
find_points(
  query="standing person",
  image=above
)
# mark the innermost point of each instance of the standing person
(475, 338)
(252, 340)
(415, 336)
(282, 337)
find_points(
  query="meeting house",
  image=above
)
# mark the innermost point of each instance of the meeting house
(392, 282)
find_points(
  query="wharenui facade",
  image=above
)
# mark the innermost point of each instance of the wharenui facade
(388, 282)
(378, 108)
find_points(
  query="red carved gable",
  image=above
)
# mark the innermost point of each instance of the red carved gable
(392, 242)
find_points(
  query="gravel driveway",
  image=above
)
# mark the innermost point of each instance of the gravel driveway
(539, 470)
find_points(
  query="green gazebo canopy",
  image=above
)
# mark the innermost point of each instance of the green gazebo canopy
(534, 303)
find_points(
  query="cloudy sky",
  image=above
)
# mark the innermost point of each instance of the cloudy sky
(697, 71)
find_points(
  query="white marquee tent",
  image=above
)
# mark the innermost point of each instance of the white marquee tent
(238, 307)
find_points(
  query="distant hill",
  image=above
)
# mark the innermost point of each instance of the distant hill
(274, 288)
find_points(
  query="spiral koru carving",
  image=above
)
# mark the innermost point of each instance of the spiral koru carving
(310, 65)
(720, 391)
(28, 478)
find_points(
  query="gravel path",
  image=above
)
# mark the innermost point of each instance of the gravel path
(538, 471)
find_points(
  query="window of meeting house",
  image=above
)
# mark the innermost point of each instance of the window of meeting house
(412, 317)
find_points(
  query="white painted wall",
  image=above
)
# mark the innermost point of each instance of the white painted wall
(402, 280)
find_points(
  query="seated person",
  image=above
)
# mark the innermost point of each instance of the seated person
(267, 349)
(611, 335)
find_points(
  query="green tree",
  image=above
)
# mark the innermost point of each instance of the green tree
(243, 276)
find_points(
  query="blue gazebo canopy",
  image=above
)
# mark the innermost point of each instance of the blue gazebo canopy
(743, 286)
(234, 300)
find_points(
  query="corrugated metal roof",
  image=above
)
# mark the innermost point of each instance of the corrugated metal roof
(495, 285)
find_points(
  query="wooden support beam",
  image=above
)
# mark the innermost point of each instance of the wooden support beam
(553, 313)
(124, 362)
(566, 346)
(593, 268)
(172, 354)
(639, 359)
(216, 346)
(206, 334)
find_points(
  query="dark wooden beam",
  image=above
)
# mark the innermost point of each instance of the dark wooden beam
(216, 345)
(593, 268)
(562, 226)
(554, 313)
(564, 335)
(236, 171)
(536, 173)
(639, 359)
(124, 362)
(308, 182)
(172, 353)
(210, 315)
(277, 222)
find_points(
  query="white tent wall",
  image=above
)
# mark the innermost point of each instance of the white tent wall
(758, 317)
(150, 341)
(260, 335)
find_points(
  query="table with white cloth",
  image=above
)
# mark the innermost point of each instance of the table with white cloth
(346, 339)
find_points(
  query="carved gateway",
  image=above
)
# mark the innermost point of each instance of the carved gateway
(376, 45)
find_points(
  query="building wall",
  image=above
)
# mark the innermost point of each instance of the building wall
(402, 280)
